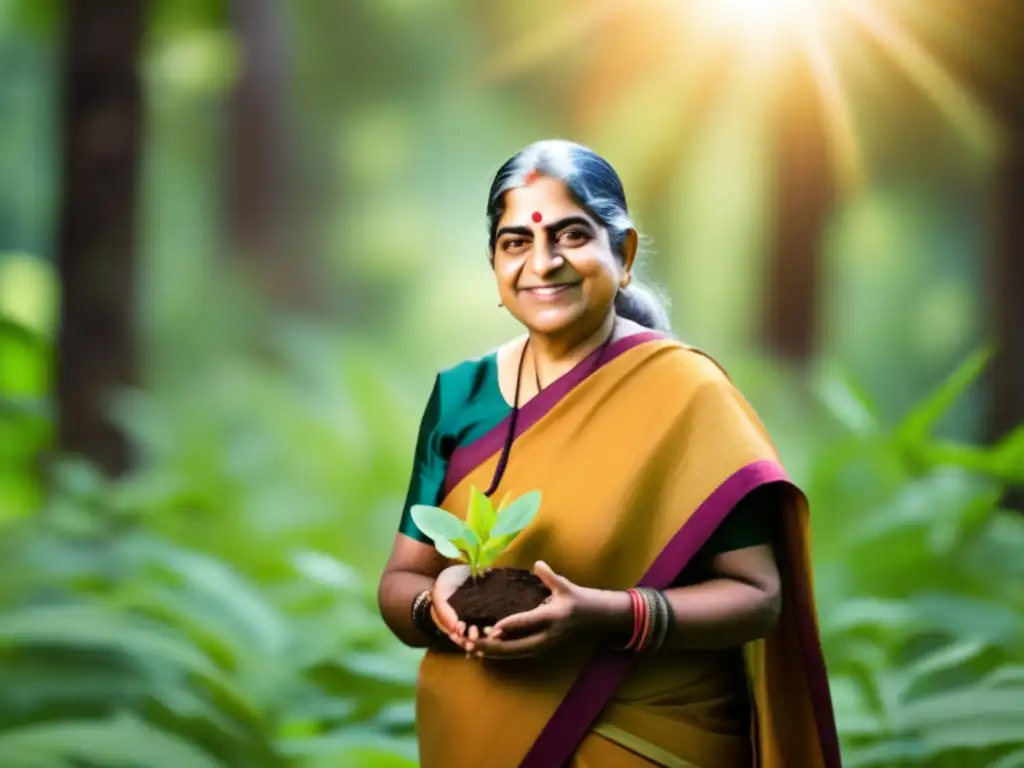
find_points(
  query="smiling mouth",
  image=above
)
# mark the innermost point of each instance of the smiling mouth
(549, 290)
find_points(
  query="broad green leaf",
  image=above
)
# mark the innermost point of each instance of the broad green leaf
(481, 515)
(100, 629)
(949, 657)
(517, 515)
(124, 740)
(437, 523)
(224, 590)
(447, 548)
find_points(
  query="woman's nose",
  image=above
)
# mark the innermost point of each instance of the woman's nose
(545, 259)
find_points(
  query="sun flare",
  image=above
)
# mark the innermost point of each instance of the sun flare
(784, 54)
(761, 17)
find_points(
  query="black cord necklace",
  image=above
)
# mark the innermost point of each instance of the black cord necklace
(510, 436)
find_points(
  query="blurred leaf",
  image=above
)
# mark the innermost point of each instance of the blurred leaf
(1012, 760)
(83, 627)
(377, 666)
(847, 402)
(25, 353)
(121, 741)
(886, 753)
(918, 423)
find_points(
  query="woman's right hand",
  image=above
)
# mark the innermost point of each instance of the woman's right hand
(449, 580)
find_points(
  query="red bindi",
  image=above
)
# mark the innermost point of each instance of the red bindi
(537, 217)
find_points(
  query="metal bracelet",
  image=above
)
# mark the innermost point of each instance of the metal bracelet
(665, 619)
(422, 619)
(661, 619)
(422, 600)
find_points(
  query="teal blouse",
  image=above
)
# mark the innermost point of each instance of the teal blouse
(466, 403)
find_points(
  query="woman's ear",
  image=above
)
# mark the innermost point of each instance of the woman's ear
(630, 243)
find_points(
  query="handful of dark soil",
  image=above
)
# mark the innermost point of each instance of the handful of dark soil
(498, 593)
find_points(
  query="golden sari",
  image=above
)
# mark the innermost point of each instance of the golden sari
(639, 460)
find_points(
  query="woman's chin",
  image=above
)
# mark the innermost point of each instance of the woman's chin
(555, 321)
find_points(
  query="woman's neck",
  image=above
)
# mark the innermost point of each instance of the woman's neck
(554, 355)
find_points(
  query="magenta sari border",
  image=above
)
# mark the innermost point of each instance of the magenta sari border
(597, 683)
(817, 677)
(468, 457)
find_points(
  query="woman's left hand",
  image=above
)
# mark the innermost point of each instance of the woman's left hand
(538, 630)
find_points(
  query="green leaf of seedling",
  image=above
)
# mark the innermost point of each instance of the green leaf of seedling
(481, 515)
(493, 548)
(437, 523)
(447, 549)
(517, 515)
(471, 548)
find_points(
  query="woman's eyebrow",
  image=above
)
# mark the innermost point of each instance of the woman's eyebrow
(551, 228)
(579, 221)
(521, 231)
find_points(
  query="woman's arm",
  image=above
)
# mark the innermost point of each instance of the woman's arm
(739, 601)
(412, 568)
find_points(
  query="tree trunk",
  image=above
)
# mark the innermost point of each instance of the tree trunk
(802, 197)
(102, 111)
(1006, 282)
(259, 181)
(1006, 257)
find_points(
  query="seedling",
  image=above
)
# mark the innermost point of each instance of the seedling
(484, 535)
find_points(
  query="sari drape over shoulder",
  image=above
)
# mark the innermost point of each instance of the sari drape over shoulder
(639, 461)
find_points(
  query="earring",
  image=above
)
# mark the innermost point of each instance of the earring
(626, 280)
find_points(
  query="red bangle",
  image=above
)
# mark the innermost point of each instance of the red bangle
(645, 637)
(634, 603)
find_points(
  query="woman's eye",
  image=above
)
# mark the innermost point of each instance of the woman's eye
(573, 237)
(514, 244)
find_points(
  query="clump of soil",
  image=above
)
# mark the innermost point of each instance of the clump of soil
(496, 594)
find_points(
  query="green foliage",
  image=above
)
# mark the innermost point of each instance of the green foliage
(181, 616)
(486, 532)
(918, 585)
(121, 645)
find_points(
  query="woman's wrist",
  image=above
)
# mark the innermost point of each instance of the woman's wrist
(608, 611)
(423, 617)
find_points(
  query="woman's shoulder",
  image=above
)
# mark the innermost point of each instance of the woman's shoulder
(469, 367)
(685, 374)
(469, 377)
(694, 364)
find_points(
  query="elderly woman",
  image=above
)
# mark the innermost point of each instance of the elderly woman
(664, 507)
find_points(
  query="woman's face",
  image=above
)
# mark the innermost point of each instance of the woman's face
(554, 264)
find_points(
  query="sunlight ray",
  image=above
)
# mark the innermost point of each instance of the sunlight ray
(555, 34)
(953, 100)
(619, 62)
(839, 119)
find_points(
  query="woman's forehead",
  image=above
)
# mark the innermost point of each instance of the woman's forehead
(545, 199)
